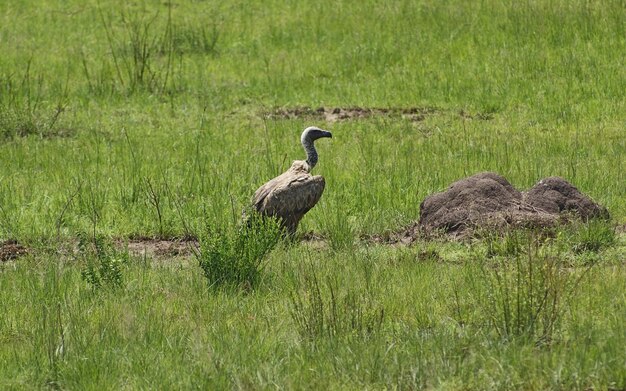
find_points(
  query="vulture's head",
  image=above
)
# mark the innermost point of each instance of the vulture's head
(312, 133)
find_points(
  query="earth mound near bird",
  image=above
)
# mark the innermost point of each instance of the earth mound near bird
(488, 200)
(555, 195)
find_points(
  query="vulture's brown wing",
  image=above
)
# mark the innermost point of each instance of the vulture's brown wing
(289, 196)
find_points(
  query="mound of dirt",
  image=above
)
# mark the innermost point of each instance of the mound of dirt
(489, 200)
(555, 195)
(468, 201)
(334, 114)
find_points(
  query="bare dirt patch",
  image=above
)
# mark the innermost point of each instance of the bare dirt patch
(334, 114)
(11, 249)
(160, 247)
(402, 237)
(480, 116)
(488, 200)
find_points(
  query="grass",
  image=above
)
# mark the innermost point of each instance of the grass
(124, 120)
(165, 327)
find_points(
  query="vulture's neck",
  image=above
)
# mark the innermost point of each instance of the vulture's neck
(311, 153)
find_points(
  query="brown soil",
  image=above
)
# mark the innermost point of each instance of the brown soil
(488, 200)
(11, 249)
(159, 248)
(404, 236)
(334, 114)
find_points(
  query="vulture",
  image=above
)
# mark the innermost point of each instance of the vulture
(293, 193)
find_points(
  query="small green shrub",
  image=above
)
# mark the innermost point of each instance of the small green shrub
(103, 271)
(234, 256)
(102, 263)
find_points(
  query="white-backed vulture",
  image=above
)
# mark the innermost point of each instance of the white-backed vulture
(293, 193)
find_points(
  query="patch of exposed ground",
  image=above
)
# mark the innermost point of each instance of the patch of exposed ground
(481, 116)
(314, 240)
(160, 247)
(11, 249)
(334, 114)
(402, 237)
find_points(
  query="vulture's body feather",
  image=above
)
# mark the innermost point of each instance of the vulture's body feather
(293, 193)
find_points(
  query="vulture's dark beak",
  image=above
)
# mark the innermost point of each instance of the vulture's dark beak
(328, 134)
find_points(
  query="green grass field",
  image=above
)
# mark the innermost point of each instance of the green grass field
(126, 120)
